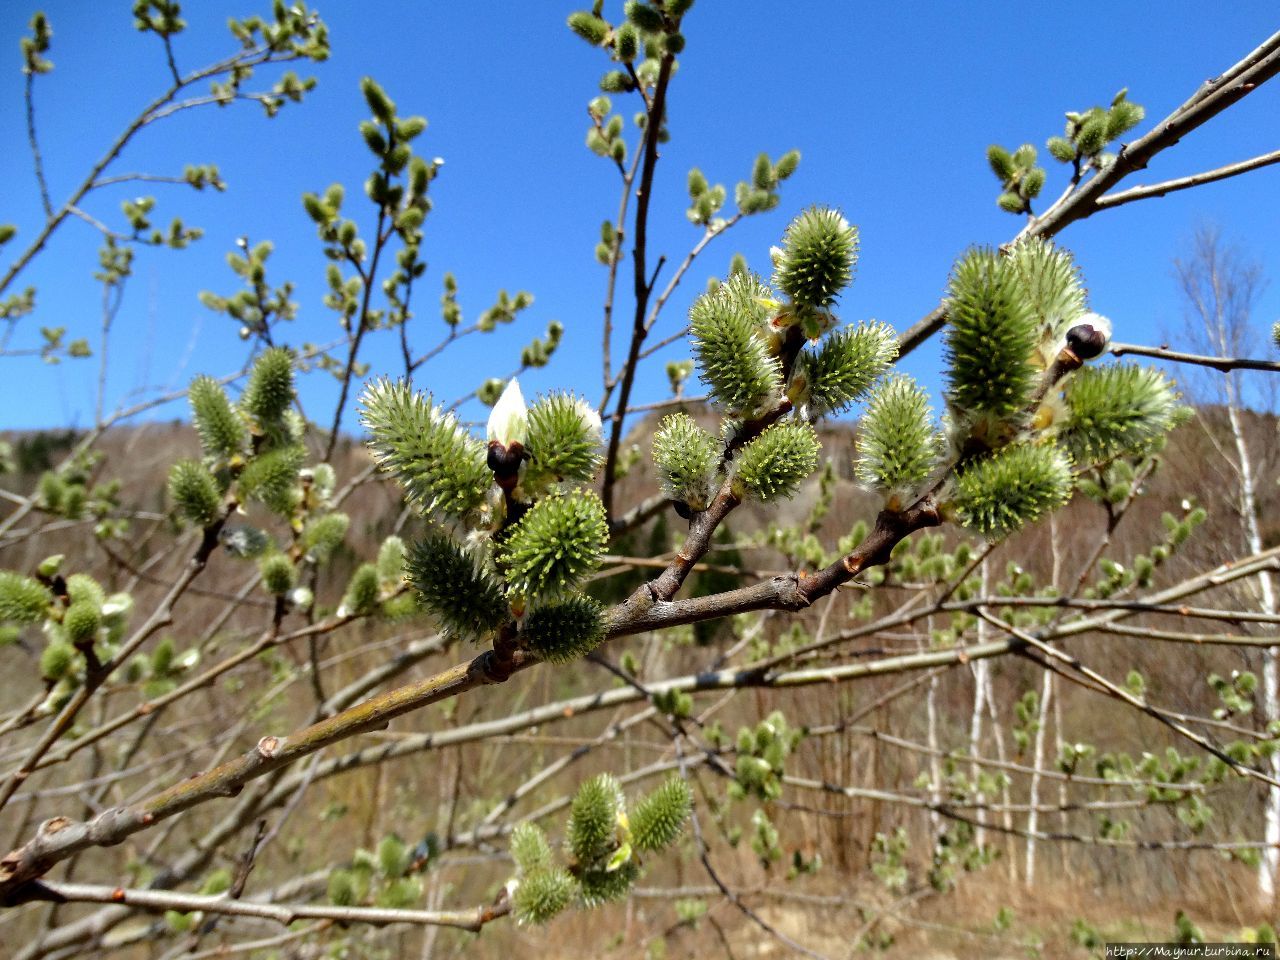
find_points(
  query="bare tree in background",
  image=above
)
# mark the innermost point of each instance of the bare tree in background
(1222, 285)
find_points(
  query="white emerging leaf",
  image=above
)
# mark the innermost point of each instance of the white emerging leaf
(1099, 323)
(590, 419)
(509, 421)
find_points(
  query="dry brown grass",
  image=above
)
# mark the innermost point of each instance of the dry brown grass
(1127, 893)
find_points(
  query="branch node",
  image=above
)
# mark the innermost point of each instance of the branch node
(54, 826)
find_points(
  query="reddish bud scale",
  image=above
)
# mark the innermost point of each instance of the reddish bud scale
(504, 461)
(1086, 341)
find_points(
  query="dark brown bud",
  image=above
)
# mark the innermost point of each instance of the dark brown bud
(1086, 341)
(503, 460)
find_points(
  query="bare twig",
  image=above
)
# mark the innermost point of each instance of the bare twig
(1232, 85)
(1223, 364)
(1185, 183)
(284, 914)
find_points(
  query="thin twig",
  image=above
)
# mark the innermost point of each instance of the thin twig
(284, 914)
(1185, 183)
(1223, 364)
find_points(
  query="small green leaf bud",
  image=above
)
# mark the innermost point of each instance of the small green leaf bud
(590, 28)
(843, 368)
(644, 16)
(393, 856)
(410, 127)
(316, 209)
(396, 160)
(219, 881)
(391, 563)
(819, 250)
(787, 164)
(626, 43)
(773, 465)
(81, 622)
(270, 389)
(57, 660)
(1123, 116)
(1050, 282)
(375, 141)
(555, 545)
(659, 818)
(564, 632)
(1001, 162)
(596, 143)
(897, 444)
(424, 447)
(1024, 156)
(83, 588)
(379, 103)
(278, 576)
(451, 583)
(990, 338)
(194, 492)
(600, 107)
(735, 361)
(1092, 136)
(1033, 182)
(1060, 148)
(1011, 203)
(687, 457)
(323, 534)
(999, 494)
(608, 885)
(593, 819)
(762, 176)
(1116, 409)
(615, 81)
(529, 848)
(342, 888)
(563, 440)
(222, 432)
(541, 895)
(272, 478)
(363, 593)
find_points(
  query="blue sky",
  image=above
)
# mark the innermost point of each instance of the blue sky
(892, 106)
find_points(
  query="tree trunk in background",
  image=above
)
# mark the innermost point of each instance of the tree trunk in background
(1270, 670)
(1046, 698)
(935, 759)
(1006, 795)
(980, 685)
(1033, 794)
(1222, 286)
